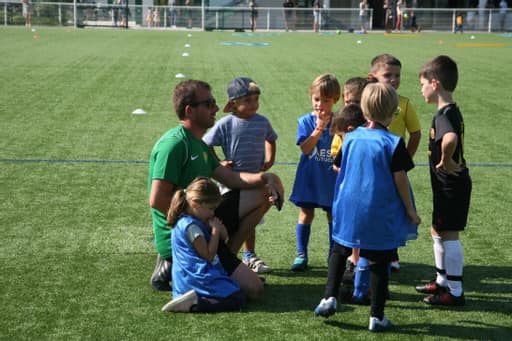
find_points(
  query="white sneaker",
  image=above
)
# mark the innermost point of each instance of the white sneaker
(257, 265)
(377, 325)
(326, 307)
(182, 304)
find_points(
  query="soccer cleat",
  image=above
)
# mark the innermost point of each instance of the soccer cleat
(162, 276)
(326, 307)
(395, 266)
(445, 299)
(182, 304)
(377, 325)
(431, 288)
(300, 264)
(257, 265)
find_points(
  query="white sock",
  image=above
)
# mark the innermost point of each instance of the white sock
(439, 254)
(454, 261)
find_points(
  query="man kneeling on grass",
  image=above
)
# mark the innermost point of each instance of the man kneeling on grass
(180, 156)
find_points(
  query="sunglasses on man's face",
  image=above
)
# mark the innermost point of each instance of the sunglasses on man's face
(210, 103)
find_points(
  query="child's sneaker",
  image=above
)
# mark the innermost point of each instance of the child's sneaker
(182, 304)
(377, 325)
(446, 299)
(395, 266)
(431, 288)
(257, 265)
(300, 264)
(326, 307)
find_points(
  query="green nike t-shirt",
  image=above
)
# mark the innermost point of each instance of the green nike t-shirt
(177, 157)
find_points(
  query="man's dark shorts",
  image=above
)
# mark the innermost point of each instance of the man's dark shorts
(227, 212)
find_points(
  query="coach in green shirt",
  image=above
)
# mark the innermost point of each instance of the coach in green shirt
(177, 158)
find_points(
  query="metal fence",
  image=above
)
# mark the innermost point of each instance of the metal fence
(239, 18)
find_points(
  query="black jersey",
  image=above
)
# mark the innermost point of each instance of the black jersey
(447, 120)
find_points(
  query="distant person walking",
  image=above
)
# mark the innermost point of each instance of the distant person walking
(459, 23)
(254, 14)
(316, 15)
(289, 15)
(399, 13)
(188, 12)
(149, 18)
(173, 13)
(363, 7)
(27, 12)
(388, 16)
(503, 14)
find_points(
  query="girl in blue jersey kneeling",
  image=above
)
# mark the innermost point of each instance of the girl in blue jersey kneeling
(199, 283)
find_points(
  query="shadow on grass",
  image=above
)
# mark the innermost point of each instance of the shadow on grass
(466, 331)
(311, 272)
(485, 279)
(488, 282)
(485, 286)
(282, 298)
(487, 289)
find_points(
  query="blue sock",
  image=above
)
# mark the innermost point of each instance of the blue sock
(302, 232)
(361, 278)
(248, 254)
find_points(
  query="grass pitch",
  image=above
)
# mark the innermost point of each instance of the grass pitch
(76, 252)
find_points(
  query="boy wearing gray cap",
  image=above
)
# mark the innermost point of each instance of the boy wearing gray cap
(248, 142)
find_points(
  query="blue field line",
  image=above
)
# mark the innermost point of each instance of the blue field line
(282, 163)
(69, 161)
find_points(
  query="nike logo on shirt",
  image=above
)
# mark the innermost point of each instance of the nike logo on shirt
(193, 157)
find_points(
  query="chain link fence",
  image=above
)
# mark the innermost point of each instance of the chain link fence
(241, 18)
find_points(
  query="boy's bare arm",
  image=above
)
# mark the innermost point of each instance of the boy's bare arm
(245, 180)
(227, 163)
(212, 150)
(270, 155)
(448, 145)
(413, 143)
(309, 144)
(403, 188)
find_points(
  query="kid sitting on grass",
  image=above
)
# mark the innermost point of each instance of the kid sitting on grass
(248, 142)
(199, 282)
(372, 179)
(451, 183)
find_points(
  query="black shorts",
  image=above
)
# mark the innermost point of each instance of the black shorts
(451, 204)
(378, 256)
(227, 258)
(227, 211)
